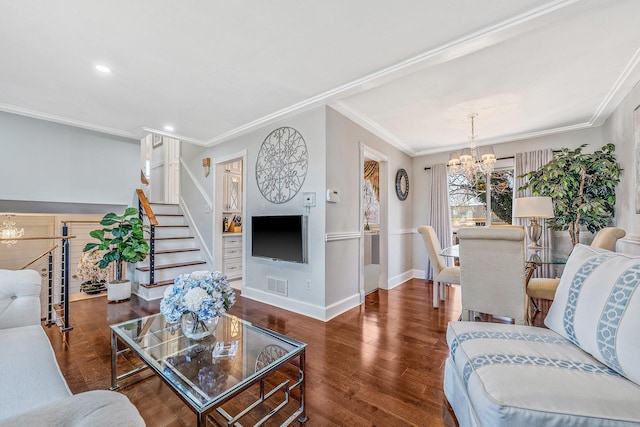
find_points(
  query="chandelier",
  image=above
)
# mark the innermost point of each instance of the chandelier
(9, 232)
(472, 161)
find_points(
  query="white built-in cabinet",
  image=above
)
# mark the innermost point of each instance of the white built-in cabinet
(232, 255)
(232, 183)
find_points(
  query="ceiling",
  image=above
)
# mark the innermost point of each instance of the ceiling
(410, 72)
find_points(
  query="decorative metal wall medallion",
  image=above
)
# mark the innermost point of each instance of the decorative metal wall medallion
(282, 164)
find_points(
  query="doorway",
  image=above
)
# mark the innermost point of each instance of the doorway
(373, 220)
(230, 201)
(161, 168)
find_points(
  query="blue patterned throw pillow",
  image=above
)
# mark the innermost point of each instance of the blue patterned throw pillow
(597, 307)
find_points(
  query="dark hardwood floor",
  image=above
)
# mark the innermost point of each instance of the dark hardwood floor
(380, 364)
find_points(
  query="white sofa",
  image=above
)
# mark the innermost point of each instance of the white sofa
(582, 371)
(32, 388)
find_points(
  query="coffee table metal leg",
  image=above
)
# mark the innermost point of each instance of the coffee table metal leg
(114, 361)
(302, 419)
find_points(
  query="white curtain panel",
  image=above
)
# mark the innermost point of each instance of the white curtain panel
(439, 213)
(525, 163)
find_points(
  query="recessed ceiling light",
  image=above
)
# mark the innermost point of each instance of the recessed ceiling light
(169, 128)
(103, 69)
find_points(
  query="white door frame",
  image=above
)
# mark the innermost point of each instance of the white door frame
(383, 160)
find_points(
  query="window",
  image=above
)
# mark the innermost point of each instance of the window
(468, 200)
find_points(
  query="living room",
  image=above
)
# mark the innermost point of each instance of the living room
(68, 161)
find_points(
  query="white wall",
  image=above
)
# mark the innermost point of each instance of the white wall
(344, 170)
(48, 162)
(592, 137)
(311, 302)
(619, 130)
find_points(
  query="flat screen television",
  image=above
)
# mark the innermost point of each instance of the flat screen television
(281, 237)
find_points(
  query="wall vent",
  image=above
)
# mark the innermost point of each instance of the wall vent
(277, 286)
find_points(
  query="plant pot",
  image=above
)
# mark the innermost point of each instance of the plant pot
(119, 291)
(196, 329)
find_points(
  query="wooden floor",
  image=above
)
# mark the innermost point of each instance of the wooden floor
(380, 364)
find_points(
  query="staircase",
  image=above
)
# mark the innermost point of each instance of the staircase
(175, 253)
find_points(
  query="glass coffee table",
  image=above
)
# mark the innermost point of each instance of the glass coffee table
(208, 373)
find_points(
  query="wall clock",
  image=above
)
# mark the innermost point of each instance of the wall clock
(402, 184)
(282, 164)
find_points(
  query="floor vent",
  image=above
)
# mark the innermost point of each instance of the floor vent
(277, 286)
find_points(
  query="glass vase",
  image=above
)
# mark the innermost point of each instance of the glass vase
(196, 329)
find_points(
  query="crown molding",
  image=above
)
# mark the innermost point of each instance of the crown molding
(65, 121)
(510, 138)
(144, 131)
(372, 127)
(617, 93)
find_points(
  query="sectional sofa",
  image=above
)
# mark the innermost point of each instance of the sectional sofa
(33, 390)
(584, 370)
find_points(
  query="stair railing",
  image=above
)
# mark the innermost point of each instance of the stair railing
(50, 309)
(144, 206)
(61, 313)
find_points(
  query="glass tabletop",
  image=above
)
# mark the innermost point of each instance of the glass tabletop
(539, 256)
(210, 369)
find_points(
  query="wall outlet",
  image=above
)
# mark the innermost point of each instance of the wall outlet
(308, 285)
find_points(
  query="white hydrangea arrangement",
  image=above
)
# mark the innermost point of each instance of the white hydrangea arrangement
(204, 294)
(88, 268)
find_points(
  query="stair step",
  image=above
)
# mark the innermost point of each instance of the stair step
(156, 284)
(170, 251)
(168, 214)
(163, 208)
(168, 220)
(172, 226)
(173, 238)
(167, 266)
(173, 255)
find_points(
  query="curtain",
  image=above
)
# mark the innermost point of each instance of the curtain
(439, 212)
(525, 163)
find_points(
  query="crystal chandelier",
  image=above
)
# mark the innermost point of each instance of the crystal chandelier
(10, 232)
(472, 161)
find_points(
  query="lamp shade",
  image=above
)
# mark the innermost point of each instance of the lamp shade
(533, 207)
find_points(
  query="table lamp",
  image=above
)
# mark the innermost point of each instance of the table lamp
(533, 208)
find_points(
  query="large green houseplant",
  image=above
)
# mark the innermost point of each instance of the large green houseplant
(122, 239)
(582, 186)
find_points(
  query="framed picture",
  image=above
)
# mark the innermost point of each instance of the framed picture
(636, 137)
(157, 140)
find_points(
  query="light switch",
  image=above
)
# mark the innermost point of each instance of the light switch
(309, 199)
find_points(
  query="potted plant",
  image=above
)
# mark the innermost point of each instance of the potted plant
(121, 240)
(582, 186)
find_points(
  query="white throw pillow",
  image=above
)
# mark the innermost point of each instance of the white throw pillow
(597, 306)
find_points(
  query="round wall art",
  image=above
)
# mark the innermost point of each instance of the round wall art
(282, 164)
(402, 184)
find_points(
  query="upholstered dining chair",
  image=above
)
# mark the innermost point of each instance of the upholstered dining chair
(442, 275)
(607, 237)
(492, 272)
(545, 288)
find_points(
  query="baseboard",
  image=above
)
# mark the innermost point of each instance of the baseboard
(419, 274)
(340, 307)
(150, 294)
(316, 312)
(289, 304)
(399, 279)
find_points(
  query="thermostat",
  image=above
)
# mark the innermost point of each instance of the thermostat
(333, 196)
